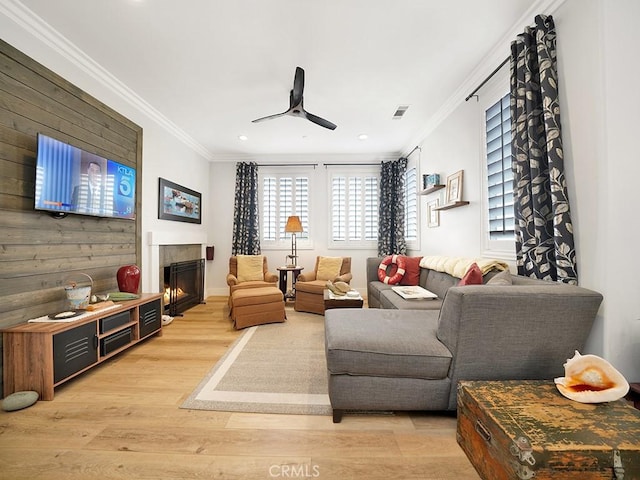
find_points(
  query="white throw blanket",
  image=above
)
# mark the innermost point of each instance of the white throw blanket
(458, 266)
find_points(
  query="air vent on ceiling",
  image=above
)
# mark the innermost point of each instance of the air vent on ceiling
(400, 111)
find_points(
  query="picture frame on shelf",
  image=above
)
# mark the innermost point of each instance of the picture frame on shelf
(430, 180)
(433, 214)
(454, 187)
(178, 203)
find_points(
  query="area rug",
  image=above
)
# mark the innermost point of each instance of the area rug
(274, 368)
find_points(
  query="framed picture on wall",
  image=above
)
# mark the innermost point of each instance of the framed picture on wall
(433, 215)
(454, 188)
(179, 203)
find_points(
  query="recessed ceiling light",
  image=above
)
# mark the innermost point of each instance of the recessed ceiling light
(243, 137)
(363, 136)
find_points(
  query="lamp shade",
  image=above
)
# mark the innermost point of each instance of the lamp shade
(293, 225)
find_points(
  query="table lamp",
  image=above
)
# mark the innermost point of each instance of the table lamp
(293, 226)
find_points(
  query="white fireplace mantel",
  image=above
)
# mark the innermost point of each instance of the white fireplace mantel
(156, 239)
(176, 238)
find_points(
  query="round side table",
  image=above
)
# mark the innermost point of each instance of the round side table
(284, 273)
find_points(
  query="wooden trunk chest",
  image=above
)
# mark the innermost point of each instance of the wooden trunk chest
(527, 429)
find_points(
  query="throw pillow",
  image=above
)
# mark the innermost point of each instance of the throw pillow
(472, 277)
(328, 268)
(412, 271)
(250, 268)
(502, 278)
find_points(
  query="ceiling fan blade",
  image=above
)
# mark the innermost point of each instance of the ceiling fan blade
(268, 117)
(296, 108)
(298, 87)
(320, 121)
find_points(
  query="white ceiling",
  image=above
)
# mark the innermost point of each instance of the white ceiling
(211, 66)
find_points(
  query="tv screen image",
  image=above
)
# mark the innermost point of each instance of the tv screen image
(71, 180)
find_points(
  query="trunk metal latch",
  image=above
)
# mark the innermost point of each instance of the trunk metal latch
(522, 449)
(618, 469)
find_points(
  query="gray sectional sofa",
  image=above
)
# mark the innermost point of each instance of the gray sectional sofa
(380, 295)
(410, 355)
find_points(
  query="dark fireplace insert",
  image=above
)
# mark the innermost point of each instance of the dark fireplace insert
(184, 286)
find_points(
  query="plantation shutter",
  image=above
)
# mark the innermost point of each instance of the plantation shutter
(269, 203)
(283, 196)
(354, 208)
(499, 173)
(411, 204)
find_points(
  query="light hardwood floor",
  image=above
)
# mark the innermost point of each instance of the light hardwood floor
(121, 420)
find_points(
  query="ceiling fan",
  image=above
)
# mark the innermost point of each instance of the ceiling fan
(296, 108)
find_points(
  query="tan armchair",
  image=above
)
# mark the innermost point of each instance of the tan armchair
(254, 298)
(266, 279)
(310, 286)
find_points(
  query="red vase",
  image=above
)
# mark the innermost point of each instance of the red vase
(129, 278)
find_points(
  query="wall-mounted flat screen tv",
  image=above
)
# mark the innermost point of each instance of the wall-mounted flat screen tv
(70, 180)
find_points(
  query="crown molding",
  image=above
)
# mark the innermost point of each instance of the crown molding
(319, 158)
(41, 30)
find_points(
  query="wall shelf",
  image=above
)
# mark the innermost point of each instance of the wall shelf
(451, 205)
(433, 188)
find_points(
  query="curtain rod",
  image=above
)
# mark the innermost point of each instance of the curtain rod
(414, 149)
(314, 165)
(349, 164)
(488, 78)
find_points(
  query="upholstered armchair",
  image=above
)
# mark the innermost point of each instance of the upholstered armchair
(310, 286)
(249, 271)
(254, 298)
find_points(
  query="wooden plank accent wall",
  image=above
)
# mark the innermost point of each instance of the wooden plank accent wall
(39, 253)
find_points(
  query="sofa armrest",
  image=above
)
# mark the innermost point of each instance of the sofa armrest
(372, 268)
(232, 280)
(271, 277)
(515, 331)
(306, 277)
(346, 278)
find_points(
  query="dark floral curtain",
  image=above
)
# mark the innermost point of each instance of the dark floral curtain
(544, 233)
(391, 209)
(246, 224)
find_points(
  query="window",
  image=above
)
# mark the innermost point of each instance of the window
(498, 227)
(282, 196)
(354, 209)
(411, 205)
(499, 174)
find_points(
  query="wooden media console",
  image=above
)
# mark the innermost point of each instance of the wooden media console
(41, 355)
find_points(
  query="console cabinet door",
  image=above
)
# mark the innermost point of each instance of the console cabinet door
(150, 317)
(74, 350)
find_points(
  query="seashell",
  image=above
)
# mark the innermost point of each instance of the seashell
(334, 289)
(591, 379)
(343, 286)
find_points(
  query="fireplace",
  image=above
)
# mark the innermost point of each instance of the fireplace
(184, 286)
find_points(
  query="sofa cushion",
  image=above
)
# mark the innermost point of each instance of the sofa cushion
(390, 299)
(438, 282)
(314, 286)
(472, 277)
(411, 271)
(255, 296)
(378, 287)
(252, 284)
(328, 268)
(385, 343)
(250, 268)
(502, 278)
